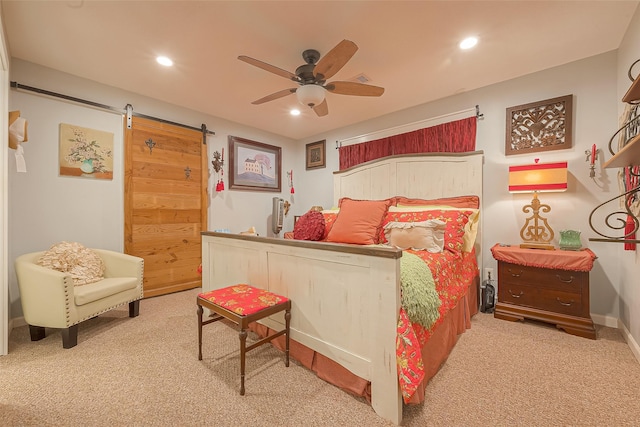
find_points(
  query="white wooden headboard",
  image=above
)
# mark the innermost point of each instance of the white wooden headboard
(424, 176)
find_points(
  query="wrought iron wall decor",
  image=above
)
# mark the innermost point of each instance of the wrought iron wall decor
(622, 224)
(539, 126)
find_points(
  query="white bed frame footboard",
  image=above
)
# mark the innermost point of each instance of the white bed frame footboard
(346, 298)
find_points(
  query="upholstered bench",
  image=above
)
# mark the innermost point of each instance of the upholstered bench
(243, 304)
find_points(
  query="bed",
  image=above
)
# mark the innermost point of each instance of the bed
(346, 298)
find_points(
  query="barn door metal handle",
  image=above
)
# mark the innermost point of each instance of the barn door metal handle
(150, 143)
(187, 172)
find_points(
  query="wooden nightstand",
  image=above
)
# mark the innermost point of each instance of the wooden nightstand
(550, 286)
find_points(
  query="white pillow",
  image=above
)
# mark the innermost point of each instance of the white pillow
(425, 235)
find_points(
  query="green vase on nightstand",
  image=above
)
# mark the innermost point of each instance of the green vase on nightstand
(570, 240)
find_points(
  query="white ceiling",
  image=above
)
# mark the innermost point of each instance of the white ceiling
(409, 48)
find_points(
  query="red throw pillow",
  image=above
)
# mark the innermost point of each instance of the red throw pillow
(309, 226)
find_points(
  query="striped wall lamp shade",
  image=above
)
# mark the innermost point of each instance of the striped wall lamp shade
(537, 178)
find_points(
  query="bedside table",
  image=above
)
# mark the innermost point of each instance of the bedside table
(549, 286)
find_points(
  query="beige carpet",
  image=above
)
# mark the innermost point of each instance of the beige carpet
(144, 372)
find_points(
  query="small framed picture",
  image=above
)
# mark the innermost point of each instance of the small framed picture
(315, 155)
(296, 218)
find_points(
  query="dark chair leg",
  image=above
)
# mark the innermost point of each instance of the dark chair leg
(134, 308)
(243, 346)
(287, 320)
(36, 332)
(70, 336)
(200, 310)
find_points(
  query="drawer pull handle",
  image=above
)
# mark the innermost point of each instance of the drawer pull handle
(515, 274)
(569, 280)
(516, 296)
(565, 303)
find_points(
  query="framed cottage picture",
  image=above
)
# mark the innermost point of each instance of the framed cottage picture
(254, 165)
(315, 155)
(85, 152)
(539, 126)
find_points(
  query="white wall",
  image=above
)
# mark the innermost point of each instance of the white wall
(593, 83)
(629, 309)
(45, 208)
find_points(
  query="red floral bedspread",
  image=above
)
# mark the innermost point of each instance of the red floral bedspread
(452, 277)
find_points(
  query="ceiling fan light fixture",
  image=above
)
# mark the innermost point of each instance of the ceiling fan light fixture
(310, 95)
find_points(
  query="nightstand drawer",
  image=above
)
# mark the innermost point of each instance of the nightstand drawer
(561, 302)
(514, 293)
(567, 281)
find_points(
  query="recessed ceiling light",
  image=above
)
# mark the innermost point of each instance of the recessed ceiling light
(468, 43)
(163, 60)
(295, 112)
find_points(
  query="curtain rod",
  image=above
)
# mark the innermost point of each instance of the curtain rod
(127, 110)
(409, 127)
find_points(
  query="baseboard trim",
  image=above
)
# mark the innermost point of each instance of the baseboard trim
(16, 323)
(608, 321)
(633, 345)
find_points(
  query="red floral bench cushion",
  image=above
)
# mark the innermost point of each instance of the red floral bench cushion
(243, 299)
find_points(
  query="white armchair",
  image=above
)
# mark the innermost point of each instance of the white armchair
(50, 299)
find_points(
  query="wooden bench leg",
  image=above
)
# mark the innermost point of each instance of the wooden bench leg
(134, 308)
(37, 332)
(243, 346)
(200, 310)
(70, 336)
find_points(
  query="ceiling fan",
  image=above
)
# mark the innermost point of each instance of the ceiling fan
(312, 78)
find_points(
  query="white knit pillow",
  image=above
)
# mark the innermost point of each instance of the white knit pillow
(82, 264)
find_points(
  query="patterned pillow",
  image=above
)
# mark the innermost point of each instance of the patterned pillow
(309, 226)
(82, 264)
(330, 216)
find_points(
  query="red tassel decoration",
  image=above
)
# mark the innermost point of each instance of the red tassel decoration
(291, 177)
(218, 187)
(629, 233)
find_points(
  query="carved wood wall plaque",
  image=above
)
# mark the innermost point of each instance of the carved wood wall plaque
(539, 126)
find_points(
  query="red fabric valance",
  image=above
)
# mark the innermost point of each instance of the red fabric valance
(453, 137)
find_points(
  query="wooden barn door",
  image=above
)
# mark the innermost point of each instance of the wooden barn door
(166, 174)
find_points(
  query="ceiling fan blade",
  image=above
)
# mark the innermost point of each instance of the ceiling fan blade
(322, 109)
(352, 88)
(276, 95)
(270, 68)
(334, 60)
